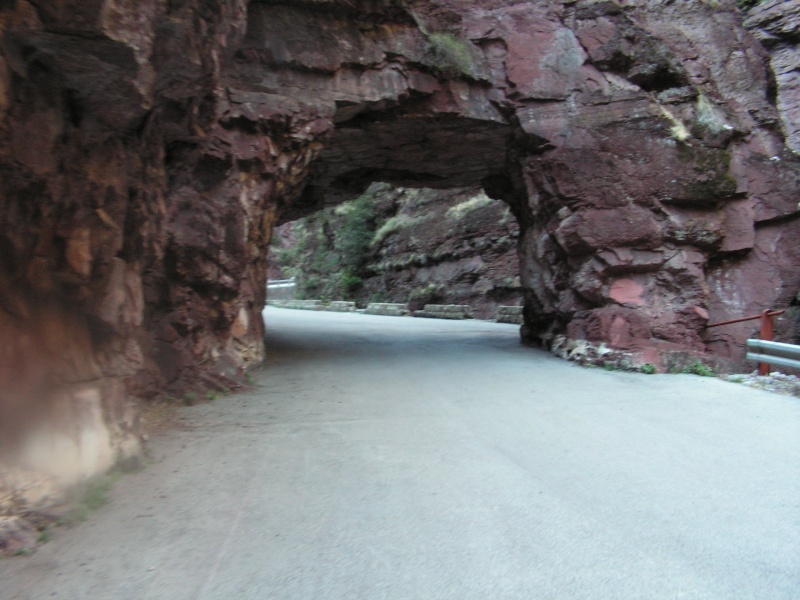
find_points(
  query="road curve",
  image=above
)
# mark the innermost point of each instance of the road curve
(398, 458)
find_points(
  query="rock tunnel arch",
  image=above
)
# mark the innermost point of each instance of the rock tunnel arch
(626, 215)
(147, 150)
(448, 154)
(410, 246)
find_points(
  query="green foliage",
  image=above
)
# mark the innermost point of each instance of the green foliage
(717, 183)
(746, 5)
(96, 494)
(620, 363)
(349, 283)
(396, 223)
(427, 294)
(92, 495)
(698, 368)
(695, 368)
(649, 369)
(460, 210)
(401, 263)
(353, 237)
(45, 535)
(452, 55)
(357, 249)
(331, 249)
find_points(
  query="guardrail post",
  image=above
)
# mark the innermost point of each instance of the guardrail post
(767, 331)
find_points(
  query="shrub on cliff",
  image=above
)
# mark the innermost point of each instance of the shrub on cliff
(330, 250)
(451, 55)
(354, 234)
(746, 5)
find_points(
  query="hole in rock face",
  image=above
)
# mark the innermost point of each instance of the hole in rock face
(656, 78)
(410, 246)
(772, 88)
(396, 210)
(73, 108)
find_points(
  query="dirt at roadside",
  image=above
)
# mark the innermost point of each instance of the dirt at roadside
(160, 417)
(788, 385)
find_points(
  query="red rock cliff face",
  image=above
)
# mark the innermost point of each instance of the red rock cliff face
(111, 286)
(148, 147)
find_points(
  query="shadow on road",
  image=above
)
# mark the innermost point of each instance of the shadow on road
(304, 336)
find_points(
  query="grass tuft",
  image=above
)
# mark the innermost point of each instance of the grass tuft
(92, 496)
(649, 369)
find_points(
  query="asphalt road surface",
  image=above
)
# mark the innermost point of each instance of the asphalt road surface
(400, 458)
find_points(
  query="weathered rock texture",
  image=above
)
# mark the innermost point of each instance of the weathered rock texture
(129, 257)
(776, 23)
(148, 146)
(413, 246)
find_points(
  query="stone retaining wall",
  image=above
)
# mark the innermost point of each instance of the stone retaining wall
(297, 304)
(509, 314)
(387, 309)
(340, 306)
(505, 314)
(445, 311)
(336, 306)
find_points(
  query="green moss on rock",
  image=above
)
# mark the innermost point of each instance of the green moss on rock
(452, 56)
(712, 180)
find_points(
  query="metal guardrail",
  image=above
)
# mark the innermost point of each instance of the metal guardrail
(280, 282)
(281, 289)
(767, 318)
(774, 353)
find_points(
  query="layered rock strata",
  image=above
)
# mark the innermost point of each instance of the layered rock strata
(776, 24)
(147, 147)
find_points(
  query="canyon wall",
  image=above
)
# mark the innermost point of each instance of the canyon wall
(147, 148)
(122, 273)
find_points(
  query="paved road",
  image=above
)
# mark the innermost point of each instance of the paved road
(398, 459)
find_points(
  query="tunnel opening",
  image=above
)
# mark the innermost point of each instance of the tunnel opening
(409, 246)
(395, 210)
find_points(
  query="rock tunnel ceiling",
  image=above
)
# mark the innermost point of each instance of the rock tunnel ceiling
(410, 151)
(147, 148)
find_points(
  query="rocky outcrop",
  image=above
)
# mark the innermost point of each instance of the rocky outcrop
(121, 272)
(148, 147)
(456, 247)
(636, 212)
